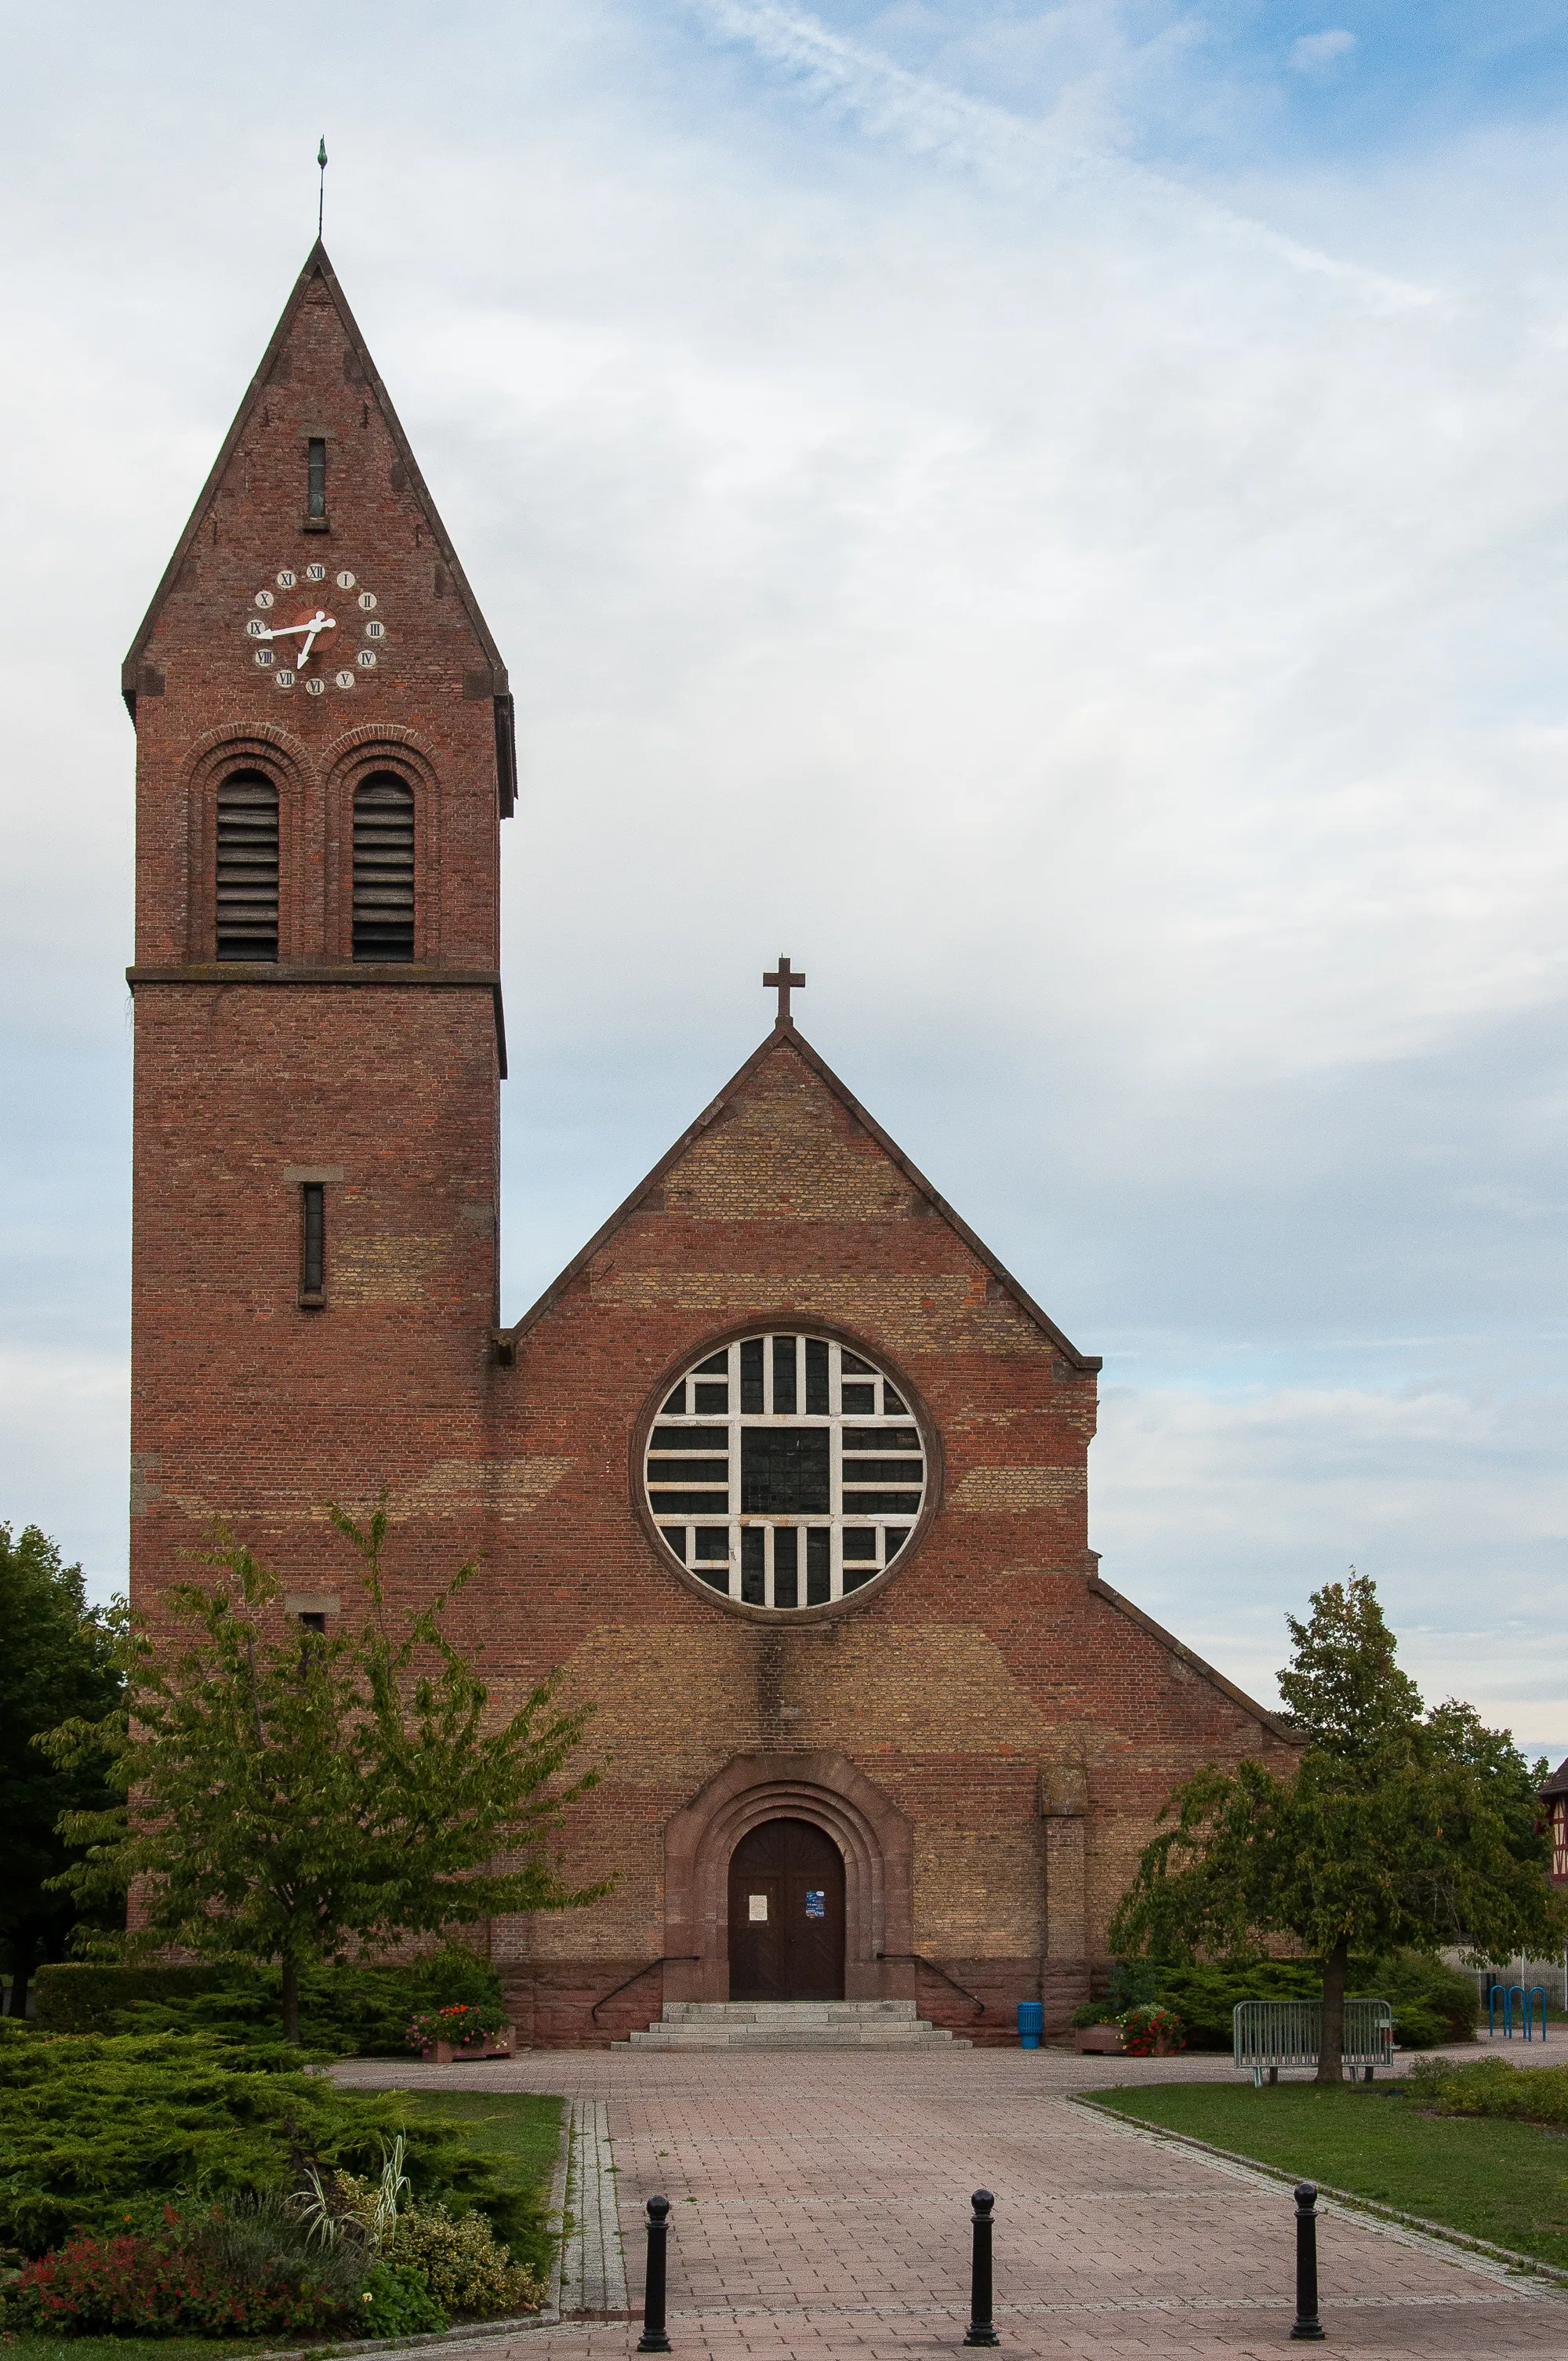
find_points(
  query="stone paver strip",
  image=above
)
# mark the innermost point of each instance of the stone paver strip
(820, 2208)
(593, 2277)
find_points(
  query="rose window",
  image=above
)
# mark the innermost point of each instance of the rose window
(785, 1471)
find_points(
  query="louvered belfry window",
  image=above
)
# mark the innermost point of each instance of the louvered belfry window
(248, 868)
(383, 868)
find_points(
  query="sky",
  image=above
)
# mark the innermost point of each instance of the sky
(1053, 517)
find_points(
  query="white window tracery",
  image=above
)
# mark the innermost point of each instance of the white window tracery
(785, 1471)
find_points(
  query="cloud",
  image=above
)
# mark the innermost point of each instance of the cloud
(1219, 1513)
(933, 118)
(1315, 53)
(63, 1442)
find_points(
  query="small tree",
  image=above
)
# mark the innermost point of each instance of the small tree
(1396, 1828)
(295, 1801)
(56, 1660)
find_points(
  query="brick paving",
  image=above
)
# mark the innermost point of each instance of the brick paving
(820, 2208)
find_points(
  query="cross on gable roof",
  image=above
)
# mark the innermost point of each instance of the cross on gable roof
(783, 1041)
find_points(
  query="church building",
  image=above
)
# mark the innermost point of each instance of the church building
(784, 1472)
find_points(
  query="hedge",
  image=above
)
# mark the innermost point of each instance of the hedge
(68, 1997)
(351, 2010)
(1431, 2003)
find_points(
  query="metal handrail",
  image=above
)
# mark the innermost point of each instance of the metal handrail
(669, 1959)
(920, 1960)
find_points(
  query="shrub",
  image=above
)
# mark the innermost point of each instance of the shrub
(261, 2239)
(1430, 2003)
(1095, 2012)
(1134, 1983)
(86, 2121)
(463, 2266)
(350, 2011)
(72, 1998)
(396, 2302)
(147, 2286)
(1536, 2094)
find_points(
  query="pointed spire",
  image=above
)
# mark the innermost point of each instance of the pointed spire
(321, 202)
(318, 274)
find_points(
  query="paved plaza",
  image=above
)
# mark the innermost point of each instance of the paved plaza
(820, 2207)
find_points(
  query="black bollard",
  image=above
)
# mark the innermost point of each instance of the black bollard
(980, 2331)
(1307, 2324)
(653, 2339)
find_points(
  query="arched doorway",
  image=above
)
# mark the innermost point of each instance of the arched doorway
(875, 1841)
(786, 1914)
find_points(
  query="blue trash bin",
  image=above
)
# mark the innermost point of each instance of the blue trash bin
(1031, 2023)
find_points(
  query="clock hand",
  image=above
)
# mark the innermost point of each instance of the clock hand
(320, 622)
(284, 632)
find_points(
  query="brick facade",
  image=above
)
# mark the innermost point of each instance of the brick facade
(987, 1731)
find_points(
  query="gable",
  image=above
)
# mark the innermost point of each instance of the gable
(784, 1150)
(787, 1141)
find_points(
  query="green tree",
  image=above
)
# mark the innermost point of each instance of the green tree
(305, 1798)
(1397, 1827)
(56, 1661)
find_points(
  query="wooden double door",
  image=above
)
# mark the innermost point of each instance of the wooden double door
(786, 1914)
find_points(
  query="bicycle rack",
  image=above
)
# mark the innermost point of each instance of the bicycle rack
(1527, 1999)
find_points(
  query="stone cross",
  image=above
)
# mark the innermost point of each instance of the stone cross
(784, 982)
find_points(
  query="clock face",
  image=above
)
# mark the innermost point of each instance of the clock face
(311, 632)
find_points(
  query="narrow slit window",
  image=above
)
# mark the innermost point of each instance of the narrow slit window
(384, 869)
(315, 480)
(313, 1242)
(247, 896)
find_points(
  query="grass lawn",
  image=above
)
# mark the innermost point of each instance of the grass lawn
(23, 2344)
(1506, 2182)
(520, 2130)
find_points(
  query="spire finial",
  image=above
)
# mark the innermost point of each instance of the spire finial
(783, 981)
(321, 202)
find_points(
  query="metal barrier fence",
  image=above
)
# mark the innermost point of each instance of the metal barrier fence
(1269, 2034)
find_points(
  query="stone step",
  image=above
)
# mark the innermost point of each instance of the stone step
(793, 2024)
(789, 2012)
(679, 2037)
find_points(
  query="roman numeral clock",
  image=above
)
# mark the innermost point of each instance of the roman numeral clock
(312, 647)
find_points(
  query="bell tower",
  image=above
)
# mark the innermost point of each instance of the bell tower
(324, 754)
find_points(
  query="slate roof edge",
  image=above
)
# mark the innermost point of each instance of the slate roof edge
(786, 1032)
(318, 266)
(1281, 1729)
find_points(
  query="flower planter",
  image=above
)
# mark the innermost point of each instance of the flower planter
(453, 2053)
(1109, 2041)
